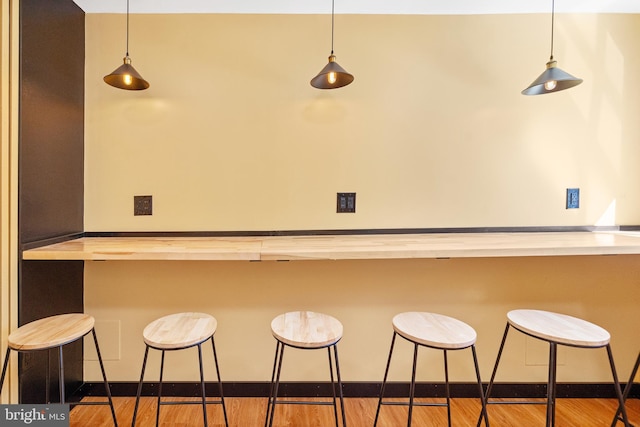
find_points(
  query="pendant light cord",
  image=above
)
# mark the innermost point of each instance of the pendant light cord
(553, 14)
(127, 27)
(333, 5)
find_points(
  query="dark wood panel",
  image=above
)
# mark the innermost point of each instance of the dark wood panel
(51, 161)
(51, 176)
(48, 288)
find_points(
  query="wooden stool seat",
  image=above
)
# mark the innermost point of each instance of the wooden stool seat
(434, 330)
(51, 332)
(181, 330)
(306, 329)
(559, 328)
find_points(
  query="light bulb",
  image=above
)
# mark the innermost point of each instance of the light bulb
(332, 77)
(127, 79)
(550, 85)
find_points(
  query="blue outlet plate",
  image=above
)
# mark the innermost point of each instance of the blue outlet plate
(573, 198)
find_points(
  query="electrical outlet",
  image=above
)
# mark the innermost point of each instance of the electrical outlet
(346, 203)
(142, 205)
(573, 198)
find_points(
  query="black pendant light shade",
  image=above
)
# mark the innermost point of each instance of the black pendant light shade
(332, 76)
(553, 79)
(126, 77)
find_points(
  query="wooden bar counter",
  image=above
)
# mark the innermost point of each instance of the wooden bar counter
(339, 247)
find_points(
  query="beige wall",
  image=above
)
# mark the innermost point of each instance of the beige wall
(432, 133)
(244, 297)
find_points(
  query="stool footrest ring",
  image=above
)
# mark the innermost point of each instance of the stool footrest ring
(302, 402)
(414, 404)
(190, 402)
(515, 402)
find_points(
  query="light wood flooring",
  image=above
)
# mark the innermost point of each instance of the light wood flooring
(250, 412)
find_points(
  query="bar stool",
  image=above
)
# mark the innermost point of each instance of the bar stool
(434, 331)
(305, 330)
(55, 332)
(178, 332)
(627, 389)
(556, 329)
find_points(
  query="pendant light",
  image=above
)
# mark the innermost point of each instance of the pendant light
(332, 76)
(553, 79)
(125, 76)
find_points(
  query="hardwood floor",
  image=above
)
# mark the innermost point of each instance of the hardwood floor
(250, 412)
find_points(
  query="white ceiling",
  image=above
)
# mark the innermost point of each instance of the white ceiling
(420, 7)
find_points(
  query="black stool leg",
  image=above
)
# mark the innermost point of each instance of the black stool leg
(384, 381)
(104, 377)
(551, 385)
(204, 395)
(61, 374)
(625, 395)
(634, 371)
(446, 387)
(215, 358)
(333, 387)
(335, 355)
(493, 374)
(4, 368)
(144, 364)
(482, 398)
(412, 389)
(47, 381)
(275, 382)
(271, 385)
(160, 388)
(621, 407)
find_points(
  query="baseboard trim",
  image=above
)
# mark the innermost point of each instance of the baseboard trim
(356, 389)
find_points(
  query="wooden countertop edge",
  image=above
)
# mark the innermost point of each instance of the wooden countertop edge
(341, 247)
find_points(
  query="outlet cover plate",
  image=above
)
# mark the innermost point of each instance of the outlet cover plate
(142, 205)
(573, 198)
(346, 203)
